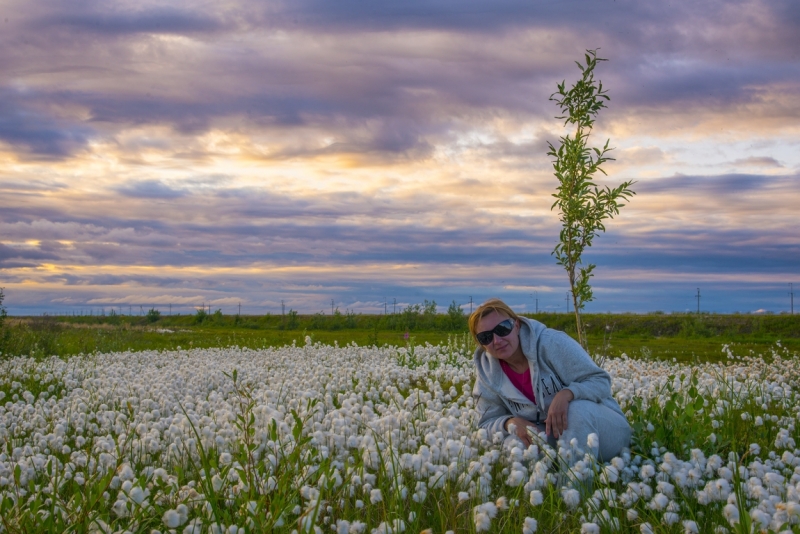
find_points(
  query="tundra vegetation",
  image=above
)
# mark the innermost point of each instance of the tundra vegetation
(680, 336)
(350, 439)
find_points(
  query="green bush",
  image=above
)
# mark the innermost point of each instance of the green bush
(292, 322)
(4, 335)
(153, 315)
(455, 316)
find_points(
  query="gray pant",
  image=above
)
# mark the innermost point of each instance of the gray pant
(586, 417)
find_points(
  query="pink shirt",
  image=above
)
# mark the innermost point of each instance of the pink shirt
(522, 381)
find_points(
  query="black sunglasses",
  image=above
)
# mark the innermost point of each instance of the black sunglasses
(502, 329)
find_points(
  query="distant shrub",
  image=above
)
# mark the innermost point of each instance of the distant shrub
(3, 313)
(292, 321)
(456, 317)
(200, 316)
(4, 334)
(153, 315)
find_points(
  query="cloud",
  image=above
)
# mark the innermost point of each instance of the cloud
(728, 184)
(14, 257)
(149, 189)
(756, 161)
(118, 22)
(37, 134)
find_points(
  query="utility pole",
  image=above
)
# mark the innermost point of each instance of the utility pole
(240, 308)
(283, 308)
(385, 305)
(331, 306)
(698, 301)
(470, 305)
(170, 308)
(535, 296)
(394, 306)
(567, 301)
(791, 296)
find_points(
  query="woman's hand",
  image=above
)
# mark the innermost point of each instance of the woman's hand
(556, 422)
(521, 429)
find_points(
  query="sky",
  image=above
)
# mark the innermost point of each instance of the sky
(375, 155)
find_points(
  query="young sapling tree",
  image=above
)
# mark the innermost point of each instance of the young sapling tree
(583, 206)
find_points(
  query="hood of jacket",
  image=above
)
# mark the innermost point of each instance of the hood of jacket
(489, 369)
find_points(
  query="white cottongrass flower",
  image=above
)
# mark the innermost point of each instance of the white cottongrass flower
(590, 528)
(731, 513)
(659, 502)
(171, 519)
(647, 472)
(670, 518)
(195, 526)
(375, 496)
(646, 528)
(536, 498)
(571, 497)
(690, 527)
(483, 514)
(529, 526)
(593, 441)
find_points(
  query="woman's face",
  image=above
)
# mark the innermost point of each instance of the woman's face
(501, 348)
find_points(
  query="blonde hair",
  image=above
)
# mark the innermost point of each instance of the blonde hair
(491, 305)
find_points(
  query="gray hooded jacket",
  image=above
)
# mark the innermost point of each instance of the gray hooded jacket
(556, 361)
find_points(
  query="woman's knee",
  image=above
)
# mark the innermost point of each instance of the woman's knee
(582, 413)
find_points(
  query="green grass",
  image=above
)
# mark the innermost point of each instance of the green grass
(685, 338)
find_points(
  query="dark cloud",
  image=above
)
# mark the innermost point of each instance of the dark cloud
(150, 189)
(13, 257)
(157, 21)
(754, 161)
(35, 133)
(728, 184)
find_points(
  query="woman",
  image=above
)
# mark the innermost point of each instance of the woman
(532, 376)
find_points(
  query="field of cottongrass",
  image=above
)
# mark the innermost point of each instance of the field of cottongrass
(351, 439)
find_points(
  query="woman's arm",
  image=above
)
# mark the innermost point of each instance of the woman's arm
(575, 367)
(492, 412)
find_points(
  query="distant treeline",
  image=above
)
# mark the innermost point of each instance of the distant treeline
(423, 317)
